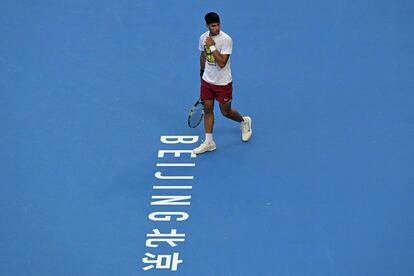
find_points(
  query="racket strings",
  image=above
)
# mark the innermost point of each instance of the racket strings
(196, 115)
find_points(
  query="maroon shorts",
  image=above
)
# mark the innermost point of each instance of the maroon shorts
(221, 93)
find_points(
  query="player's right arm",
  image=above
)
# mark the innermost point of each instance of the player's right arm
(202, 62)
(202, 54)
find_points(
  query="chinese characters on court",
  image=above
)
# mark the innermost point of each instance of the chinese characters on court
(166, 239)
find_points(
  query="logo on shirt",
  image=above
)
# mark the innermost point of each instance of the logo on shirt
(209, 55)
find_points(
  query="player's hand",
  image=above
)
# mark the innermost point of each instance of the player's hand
(210, 41)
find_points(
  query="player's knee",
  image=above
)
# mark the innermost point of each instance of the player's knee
(208, 110)
(225, 112)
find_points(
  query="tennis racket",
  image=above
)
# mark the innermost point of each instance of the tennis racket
(196, 114)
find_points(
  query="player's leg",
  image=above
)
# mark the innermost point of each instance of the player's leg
(225, 97)
(207, 95)
(245, 121)
(208, 116)
(230, 113)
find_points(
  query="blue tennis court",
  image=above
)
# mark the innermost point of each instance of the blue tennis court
(93, 95)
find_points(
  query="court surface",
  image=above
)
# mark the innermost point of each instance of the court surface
(325, 186)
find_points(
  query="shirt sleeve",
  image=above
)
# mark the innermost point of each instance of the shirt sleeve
(201, 43)
(227, 47)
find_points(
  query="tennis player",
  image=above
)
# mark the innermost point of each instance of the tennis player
(216, 81)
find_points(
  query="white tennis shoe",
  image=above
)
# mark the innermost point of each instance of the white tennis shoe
(246, 128)
(205, 146)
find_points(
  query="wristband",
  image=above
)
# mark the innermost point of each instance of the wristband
(213, 48)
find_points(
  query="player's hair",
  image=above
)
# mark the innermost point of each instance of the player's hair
(211, 18)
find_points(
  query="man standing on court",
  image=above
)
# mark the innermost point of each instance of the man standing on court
(216, 81)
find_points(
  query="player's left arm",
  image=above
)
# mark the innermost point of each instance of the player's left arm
(221, 59)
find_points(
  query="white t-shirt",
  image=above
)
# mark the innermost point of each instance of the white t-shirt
(213, 73)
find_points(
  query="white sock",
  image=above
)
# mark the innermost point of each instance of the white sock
(209, 137)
